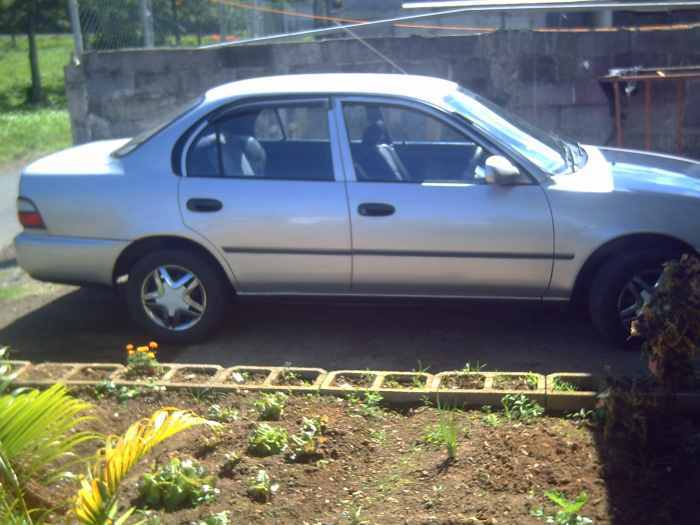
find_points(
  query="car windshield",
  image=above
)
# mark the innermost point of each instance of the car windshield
(546, 151)
(142, 137)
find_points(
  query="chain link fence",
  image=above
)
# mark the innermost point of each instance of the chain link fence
(119, 24)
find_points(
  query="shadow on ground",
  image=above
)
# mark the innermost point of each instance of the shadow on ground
(91, 325)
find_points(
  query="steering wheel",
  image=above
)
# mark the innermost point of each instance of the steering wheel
(470, 172)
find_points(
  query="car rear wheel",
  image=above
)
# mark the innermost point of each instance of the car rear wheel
(176, 296)
(619, 291)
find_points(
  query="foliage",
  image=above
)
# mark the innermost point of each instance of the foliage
(491, 419)
(266, 440)
(369, 405)
(222, 414)
(559, 385)
(261, 487)
(141, 361)
(445, 433)
(568, 510)
(532, 380)
(96, 502)
(270, 405)
(231, 461)
(124, 393)
(670, 324)
(176, 485)
(304, 445)
(6, 373)
(520, 407)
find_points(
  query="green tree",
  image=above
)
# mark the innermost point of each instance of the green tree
(31, 17)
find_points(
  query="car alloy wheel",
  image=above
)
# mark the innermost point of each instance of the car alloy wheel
(636, 294)
(173, 297)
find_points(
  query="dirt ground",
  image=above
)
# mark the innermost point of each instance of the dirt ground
(384, 465)
(62, 323)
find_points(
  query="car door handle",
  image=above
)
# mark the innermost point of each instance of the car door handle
(204, 205)
(375, 209)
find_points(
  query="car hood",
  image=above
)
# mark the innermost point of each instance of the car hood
(639, 171)
(93, 158)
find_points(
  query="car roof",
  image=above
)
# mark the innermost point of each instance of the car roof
(414, 86)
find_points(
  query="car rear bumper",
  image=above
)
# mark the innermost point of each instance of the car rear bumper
(68, 260)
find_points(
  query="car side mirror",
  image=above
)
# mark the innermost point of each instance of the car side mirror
(499, 170)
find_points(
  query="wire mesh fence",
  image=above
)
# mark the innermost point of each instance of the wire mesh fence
(118, 24)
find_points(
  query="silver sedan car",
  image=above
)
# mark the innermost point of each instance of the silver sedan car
(354, 185)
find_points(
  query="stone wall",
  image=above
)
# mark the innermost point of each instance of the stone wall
(550, 78)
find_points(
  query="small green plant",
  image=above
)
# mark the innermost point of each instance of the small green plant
(124, 393)
(147, 517)
(532, 380)
(520, 407)
(368, 405)
(266, 440)
(353, 516)
(305, 445)
(176, 485)
(445, 433)
(559, 385)
(378, 436)
(141, 361)
(6, 372)
(261, 488)
(567, 510)
(222, 414)
(582, 416)
(220, 518)
(270, 406)
(231, 461)
(492, 419)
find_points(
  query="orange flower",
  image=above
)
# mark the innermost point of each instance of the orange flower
(129, 347)
(153, 345)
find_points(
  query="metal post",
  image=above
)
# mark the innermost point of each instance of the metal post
(75, 26)
(222, 22)
(618, 113)
(147, 21)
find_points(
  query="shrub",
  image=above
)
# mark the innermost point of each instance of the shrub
(179, 484)
(142, 361)
(670, 324)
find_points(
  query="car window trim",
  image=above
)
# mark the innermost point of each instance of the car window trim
(323, 101)
(424, 107)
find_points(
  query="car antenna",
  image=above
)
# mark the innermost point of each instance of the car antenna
(372, 49)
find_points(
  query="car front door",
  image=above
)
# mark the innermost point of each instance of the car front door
(261, 183)
(424, 219)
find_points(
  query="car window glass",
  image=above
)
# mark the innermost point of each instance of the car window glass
(252, 144)
(267, 125)
(399, 144)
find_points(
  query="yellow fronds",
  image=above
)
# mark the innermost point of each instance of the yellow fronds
(96, 498)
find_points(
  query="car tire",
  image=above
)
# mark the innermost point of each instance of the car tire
(620, 275)
(151, 308)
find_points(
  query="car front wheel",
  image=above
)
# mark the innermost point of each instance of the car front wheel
(176, 296)
(619, 291)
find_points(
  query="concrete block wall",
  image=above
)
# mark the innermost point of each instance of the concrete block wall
(550, 78)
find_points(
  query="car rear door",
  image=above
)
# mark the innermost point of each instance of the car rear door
(424, 220)
(263, 184)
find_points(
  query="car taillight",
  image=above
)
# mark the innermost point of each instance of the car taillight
(28, 214)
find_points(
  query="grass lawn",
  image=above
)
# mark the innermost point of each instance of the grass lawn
(27, 130)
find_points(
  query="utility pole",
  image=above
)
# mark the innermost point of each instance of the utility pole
(223, 33)
(75, 26)
(147, 21)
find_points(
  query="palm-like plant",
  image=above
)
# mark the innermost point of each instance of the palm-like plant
(36, 433)
(96, 503)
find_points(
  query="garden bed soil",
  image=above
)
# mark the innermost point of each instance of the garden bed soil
(462, 382)
(193, 375)
(294, 378)
(45, 373)
(90, 373)
(512, 383)
(407, 382)
(384, 466)
(250, 377)
(353, 380)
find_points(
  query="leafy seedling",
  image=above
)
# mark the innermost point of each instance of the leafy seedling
(261, 488)
(178, 484)
(568, 512)
(270, 406)
(369, 405)
(520, 407)
(559, 385)
(445, 433)
(492, 419)
(305, 445)
(222, 414)
(220, 518)
(266, 440)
